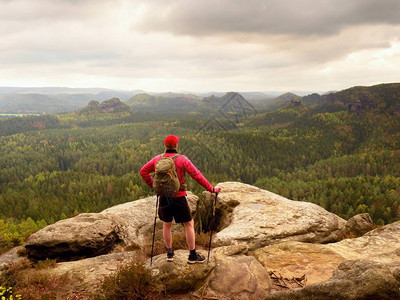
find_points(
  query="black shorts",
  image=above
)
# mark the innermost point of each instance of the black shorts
(174, 208)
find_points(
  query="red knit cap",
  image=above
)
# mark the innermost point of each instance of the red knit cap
(171, 140)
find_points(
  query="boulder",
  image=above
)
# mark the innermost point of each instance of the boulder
(359, 225)
(379, 245)
(139, 217)
(88, 235)
(88, 274)
(85, 235)
(179, 276)
(295, 259)
(237, 276)
(11, 257)
(263, 218)
(229, 274)
(353, 279)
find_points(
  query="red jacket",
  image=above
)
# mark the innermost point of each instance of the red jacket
(182, 165)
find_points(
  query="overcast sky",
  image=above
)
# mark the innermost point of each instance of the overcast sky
(200, 45)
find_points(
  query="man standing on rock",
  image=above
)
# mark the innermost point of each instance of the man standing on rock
(175, 205)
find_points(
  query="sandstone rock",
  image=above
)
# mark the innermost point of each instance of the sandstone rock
(354, 279)
(295, 259)
(139, 217)
(396, 273)
(10, 257)
(88, 235)
(223, 211)
(379, 245)
(237, 276)
(89, 273)
(359, 224)
(192, 201)
(317, 262)
(85, 235)
(179, 276)
(264, 218)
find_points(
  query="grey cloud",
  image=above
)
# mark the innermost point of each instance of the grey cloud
(200, 43)
(298, 17)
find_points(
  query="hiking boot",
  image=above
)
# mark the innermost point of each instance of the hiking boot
(196, 259)
(170, 255)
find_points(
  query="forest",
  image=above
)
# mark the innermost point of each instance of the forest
(342, 153)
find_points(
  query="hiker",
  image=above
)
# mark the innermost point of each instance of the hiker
(173, 204)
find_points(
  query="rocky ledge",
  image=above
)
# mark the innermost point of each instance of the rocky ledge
(265, 247)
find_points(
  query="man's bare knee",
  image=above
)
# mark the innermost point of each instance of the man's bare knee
(189, 224)
(167, 224)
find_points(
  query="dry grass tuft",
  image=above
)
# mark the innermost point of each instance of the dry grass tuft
(32, 281)
(130, 282)
(132, 247)
(11, 276)
(45, 264)
(37, 286)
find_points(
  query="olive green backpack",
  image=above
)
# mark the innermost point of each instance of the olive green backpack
(166, 182)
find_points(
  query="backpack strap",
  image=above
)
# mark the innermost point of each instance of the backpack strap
(173, 157)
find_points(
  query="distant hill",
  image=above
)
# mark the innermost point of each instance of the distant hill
(257, 99)
(280, 101)
(231, 103)
(113, 105)
(170, 104)
(378, 102)
(175, 95)
(248, 95)
(286, 99)
(258, 95)
(123, 96)
(382, 97)
(54, 100)
(35, 103)
(186, 103)
(313, 99)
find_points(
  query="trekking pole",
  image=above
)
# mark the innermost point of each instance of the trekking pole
(154, 233)
(212, 221)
